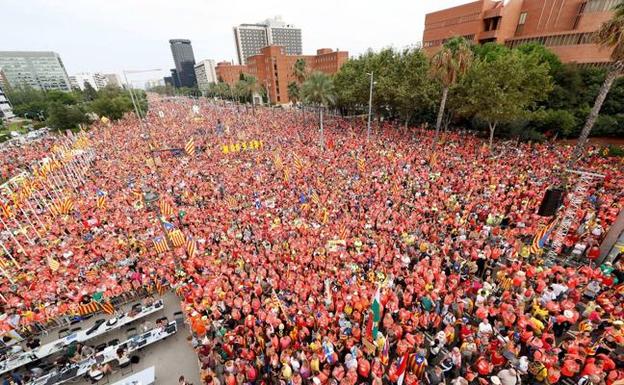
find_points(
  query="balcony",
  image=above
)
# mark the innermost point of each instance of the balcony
(496, 12)
(488, 35)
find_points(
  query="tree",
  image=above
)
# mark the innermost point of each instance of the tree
(300, 71)
(610, 34)
(89, 92)
(501, 88)
(252, 87)
(414, 92)
(319, 90)
(293, 92)
(65, 117)
(448, 65)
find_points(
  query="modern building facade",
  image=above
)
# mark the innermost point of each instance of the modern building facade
(184, 60)
(251, 38)
(273, 68)
(113, 80)
(95, 79)
(564, 26)
(154, 83)
(41, 70)
(6, 111)
(205, 73)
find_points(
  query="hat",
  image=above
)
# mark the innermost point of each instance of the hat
(495, 380)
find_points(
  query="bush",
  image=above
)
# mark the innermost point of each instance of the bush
(38, 125)
(606, 125)
(64, 117)
(550, 122)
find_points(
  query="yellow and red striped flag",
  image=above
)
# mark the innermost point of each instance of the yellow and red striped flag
(343, 232)
(53, 264)
(298, 163)
(107, 308)
(189, 148)
(361, 164)
(278, 162)
(165, 208)
(191, 246)
(160, 245)
(231, 201)
(100, 202)
(67, 205)
(177, 238)
(286, 175)
(5, 210)
(315, 198)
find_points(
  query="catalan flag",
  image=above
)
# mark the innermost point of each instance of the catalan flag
(53, 264)
(160, 244)
(343, 232)
(361, 164)
(165, 208)
(286, 175)
(177, 238)
(315, 198)
(298, 163)
(89, 308)
(541, 237)
(67, 205)
(189, 148)
(191, 246)
(5, 210)
(278, 162)
(107, 308)
(231, 201)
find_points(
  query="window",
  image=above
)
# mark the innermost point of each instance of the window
(522, 19)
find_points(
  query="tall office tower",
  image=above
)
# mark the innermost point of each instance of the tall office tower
(95, 79)
(41, 70)
(184, 60)
(6, 112)
(251, 38)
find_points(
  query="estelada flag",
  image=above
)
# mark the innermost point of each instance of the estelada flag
(100, 200)
(165, 208)
(177, 238)
(189, 148)
(160, 245)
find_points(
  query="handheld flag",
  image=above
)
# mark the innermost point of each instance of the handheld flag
(177, 238)
(191, 246)
(165, 208)
(53, 264)
(160, 244)
(189, 148)
(101, 200)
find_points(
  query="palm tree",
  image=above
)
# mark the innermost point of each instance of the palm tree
(610, 34)
(300, 71)
(319, 90)
(448, 65)
(252, 87)
(293, 92)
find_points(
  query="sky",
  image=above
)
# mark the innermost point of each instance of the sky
(115, 35)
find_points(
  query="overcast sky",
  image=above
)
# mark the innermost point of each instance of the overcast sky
(112, 35)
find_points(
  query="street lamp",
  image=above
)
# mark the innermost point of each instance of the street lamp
(370, 106)
(132, 96)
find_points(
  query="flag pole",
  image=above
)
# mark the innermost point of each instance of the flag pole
(12, 235)
(9, 254)
(7, 277)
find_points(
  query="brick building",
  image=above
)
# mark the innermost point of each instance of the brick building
(564, 26)
(274, 69)
(228, 72)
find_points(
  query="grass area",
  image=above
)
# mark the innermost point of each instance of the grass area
(18, 126)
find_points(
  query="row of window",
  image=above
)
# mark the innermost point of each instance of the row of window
(600, 5)
(556, 40)
(455, 20)
(435, 43)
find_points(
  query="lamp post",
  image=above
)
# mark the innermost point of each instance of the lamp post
(370, 106)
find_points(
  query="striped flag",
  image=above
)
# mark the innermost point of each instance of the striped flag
(541, 237)
(5, 210)
(384, 355)
(160, 244)
(277, 160)
(231, 201)
(67, 205)
(165, 208)
(177, 238)
(298, 163)
(286, 175)
(361, 164)
(100, 200)
(107, 308)
(402, 368)
(53, 264)
(315, 198)
(189, 148)
(89, 308)
(343, 232)
(191, 246)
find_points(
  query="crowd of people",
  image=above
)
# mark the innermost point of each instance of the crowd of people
(333, 259)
